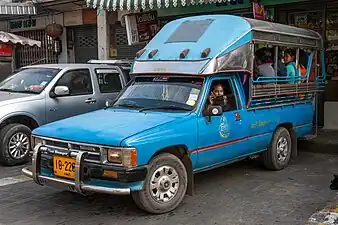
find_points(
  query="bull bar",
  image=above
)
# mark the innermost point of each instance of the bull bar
(76, 185)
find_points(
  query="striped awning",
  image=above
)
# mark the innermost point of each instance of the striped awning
(144, 4)
(17, 8)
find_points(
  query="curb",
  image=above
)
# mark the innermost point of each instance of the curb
(326, 141)
(326, 216)
(329, 147)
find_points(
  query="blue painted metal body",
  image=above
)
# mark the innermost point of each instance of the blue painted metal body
(209, 143)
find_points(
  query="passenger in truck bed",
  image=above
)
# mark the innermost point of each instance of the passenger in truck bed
(263, 62)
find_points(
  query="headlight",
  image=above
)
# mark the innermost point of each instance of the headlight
(114, 156)
(123, 156)
(36, 141)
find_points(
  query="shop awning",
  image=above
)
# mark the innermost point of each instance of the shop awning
(16, 39)
(144, 4)
(7, 8)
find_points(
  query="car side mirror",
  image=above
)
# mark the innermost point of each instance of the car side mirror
(213, 110)
(60, 91)
(109, 103)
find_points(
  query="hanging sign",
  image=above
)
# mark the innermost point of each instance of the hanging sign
(18, 24)
(141, 27)
(258, 11)
(228, 3)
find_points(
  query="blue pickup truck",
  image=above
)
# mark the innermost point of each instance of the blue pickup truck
(198, 100)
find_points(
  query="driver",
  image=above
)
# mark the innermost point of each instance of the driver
(217, 97)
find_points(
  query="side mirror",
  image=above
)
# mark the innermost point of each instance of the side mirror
(213, 110)
(61, 91)
(109, 102)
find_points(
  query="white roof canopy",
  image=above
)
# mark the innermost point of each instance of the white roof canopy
(16, 39)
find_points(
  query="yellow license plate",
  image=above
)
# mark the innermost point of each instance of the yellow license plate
(64, 167)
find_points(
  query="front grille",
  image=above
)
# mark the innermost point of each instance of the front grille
(94, 154)
(56, 144)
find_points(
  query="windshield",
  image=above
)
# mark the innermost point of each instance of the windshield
(29, 80)
(161, 93)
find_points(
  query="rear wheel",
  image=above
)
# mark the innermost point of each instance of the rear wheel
(278, 155)
(165, 185)
(14, 144)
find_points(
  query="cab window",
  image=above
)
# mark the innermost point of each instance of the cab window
(109, 82)
(78, 82)
(221, 93)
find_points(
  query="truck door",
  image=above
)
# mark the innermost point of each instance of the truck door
(222, 138)
(81, 98)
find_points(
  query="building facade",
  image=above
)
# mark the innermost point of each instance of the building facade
(77, 42)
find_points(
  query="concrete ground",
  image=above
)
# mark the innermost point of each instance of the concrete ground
(240, 194)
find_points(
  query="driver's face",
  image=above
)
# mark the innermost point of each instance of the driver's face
(218, 91)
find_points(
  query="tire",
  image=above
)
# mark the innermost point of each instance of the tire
(168, 164)
(278, 157)
(9, 133)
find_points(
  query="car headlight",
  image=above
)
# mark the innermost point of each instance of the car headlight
(36, 141)
(122, 156)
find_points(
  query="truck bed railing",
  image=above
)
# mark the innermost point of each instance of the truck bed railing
(268, 92)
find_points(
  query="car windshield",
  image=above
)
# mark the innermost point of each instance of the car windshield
(167, 93)
(29, 80)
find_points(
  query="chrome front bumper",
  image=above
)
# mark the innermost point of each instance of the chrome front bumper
(76, 185)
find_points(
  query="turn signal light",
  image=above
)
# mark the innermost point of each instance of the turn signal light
(129, 158)
(205, 52)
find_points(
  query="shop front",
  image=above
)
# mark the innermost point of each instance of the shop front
(82, 35)
(35, 28)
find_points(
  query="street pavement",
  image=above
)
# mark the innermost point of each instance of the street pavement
(243, 193)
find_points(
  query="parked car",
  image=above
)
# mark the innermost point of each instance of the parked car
(40, 94)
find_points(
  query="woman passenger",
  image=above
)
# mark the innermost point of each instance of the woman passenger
(289, 60)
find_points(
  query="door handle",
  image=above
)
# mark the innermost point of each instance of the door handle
(237, 116)
(90, 100)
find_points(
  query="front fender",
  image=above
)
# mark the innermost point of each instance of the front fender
(179, 132)
(20, 113)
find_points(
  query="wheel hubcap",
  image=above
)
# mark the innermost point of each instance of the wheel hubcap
(282, 149)
(164, 184)
(18, 145)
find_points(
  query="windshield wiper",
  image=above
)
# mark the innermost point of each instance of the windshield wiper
(125, 105)
(7, 89)
(172, 107)
(11, 90)
(27, 91)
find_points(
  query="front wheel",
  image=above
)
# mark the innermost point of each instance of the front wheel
(14, 144)
(278, 155)
(165, 185)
